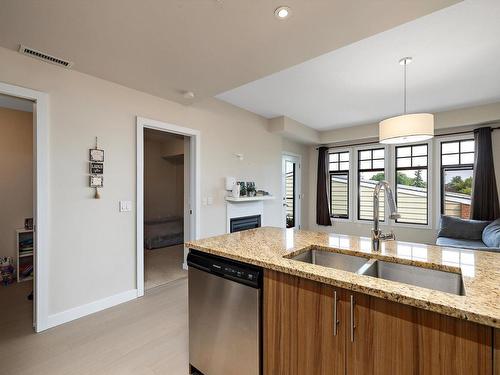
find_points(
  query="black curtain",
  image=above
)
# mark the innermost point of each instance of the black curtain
(322, 207)
(484, 204)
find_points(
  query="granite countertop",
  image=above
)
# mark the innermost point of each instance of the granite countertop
(269, 248)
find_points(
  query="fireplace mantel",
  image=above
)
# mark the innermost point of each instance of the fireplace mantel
(250, 199)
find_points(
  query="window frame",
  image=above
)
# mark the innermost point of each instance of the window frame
(434, 175)
(394, 181)
(340, 150)
(387, 157)
(451, 167)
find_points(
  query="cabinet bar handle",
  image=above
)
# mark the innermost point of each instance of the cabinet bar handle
(352, 318)
(335, 321)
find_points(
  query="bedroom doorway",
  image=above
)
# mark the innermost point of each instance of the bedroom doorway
(164, 170)
(167, 201)
(25, 214)
(17, 246)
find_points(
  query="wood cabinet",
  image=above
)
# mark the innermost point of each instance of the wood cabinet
(373, 336)
(391, 338)
(496, 352)
(299, 333)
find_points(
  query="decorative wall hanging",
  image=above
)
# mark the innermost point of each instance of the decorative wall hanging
(96, 169)
(96, 182)
(96, 154)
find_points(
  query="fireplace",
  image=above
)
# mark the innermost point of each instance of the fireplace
(244, 215)
(238, 224)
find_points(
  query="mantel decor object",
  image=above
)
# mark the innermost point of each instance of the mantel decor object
(251, 189)
(243, 188)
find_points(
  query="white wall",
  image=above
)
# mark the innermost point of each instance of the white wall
(445, 122)
(16, 175)
(91, 244)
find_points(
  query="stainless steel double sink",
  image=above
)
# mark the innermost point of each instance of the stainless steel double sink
(443, 281)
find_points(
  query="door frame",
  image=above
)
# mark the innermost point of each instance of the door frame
(40, 199)
(194, 187)
(296, 158)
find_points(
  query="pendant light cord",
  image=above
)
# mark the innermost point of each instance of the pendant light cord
(404, 86)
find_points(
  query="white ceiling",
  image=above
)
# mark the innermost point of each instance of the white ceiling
(7, 101)
(164, 47)
(456, 53)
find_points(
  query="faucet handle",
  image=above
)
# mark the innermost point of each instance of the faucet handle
(392, 235)
(388, 236)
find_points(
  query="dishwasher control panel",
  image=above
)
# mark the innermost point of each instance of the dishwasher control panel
(240, 274)
(233, 270)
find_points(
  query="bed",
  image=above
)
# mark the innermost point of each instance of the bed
(163, 232)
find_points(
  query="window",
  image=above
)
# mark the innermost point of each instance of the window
(412, 184)
(457, 165)
(339, 184)
(371, 170)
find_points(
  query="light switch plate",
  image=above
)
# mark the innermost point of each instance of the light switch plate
(125, 206)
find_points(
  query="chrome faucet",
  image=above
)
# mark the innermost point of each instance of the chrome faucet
(377, 234)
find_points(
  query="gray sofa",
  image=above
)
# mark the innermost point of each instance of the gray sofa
(469, 234)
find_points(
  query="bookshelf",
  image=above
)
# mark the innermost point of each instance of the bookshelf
(24, 245)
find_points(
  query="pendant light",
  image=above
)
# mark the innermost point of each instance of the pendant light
(406, 128)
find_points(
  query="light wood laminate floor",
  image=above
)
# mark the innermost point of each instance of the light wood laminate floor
(145, 336)
(164, 265)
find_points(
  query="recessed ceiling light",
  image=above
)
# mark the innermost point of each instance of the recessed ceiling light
(282, 12)
(188, 95)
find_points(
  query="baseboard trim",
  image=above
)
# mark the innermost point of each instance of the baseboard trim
(90, 308)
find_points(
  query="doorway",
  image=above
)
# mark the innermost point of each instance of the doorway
(291, 194)
(17, 247)
(39, 104)
(164, 206)
(167, 200)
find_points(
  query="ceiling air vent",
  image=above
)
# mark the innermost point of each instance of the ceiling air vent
(45, 57)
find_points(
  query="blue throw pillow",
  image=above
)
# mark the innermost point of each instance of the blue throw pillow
(455, 227)
(491, 234)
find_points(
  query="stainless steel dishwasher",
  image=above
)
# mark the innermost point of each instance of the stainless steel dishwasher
(224, 316)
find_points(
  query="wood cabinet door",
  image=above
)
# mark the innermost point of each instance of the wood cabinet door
(496, 351)
(299, 336)
(453, 346)
(391, 338)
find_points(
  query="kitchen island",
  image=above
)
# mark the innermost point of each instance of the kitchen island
(326, 320)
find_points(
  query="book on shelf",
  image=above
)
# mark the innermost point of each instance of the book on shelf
(26, 270)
